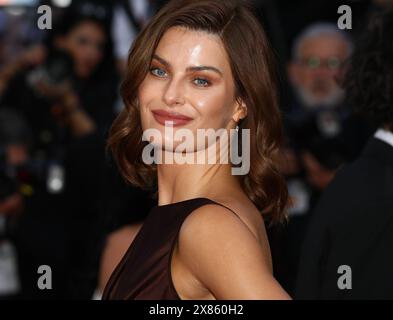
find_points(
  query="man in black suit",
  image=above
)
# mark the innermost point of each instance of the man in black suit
(348, 250)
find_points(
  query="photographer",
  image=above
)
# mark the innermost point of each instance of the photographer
(67, 99)
(74, 84)
(352, 222)
(14, 142)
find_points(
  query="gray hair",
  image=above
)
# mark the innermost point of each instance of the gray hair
(320, 29)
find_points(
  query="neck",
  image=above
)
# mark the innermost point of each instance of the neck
(178, 182)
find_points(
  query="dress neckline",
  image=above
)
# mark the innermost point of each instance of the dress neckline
(180, 202)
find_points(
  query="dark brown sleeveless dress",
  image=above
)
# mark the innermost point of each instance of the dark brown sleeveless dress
(144, 273)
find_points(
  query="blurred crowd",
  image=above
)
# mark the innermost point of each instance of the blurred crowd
(62, 201)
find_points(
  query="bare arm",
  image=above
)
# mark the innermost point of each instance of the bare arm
(77, 119)
(223, 254)
(116, 246)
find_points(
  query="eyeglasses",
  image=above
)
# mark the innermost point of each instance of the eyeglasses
(332, 63)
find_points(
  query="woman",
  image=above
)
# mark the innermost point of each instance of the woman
(200, 65)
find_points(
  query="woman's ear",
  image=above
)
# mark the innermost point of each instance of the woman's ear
(240, 111)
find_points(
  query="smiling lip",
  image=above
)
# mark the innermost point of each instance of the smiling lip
(177, 119)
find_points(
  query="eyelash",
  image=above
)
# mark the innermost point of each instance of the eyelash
(152, 72)
(207, 82)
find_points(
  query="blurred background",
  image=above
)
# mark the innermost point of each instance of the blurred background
(62, 201)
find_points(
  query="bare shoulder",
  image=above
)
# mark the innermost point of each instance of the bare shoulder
(218, 225)
(235, 218)
(225, 256)
(246, 211)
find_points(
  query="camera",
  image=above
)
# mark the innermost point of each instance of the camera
(57, 69)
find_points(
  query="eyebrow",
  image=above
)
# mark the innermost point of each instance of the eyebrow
(194, 68)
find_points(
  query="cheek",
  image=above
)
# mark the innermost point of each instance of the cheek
(147, 94)
(304, 76)
(334, 75)
(77, 53)
(309, 78)
(214, 107)
(98, 55)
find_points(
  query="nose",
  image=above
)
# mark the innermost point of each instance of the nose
(174, 93)
(324, 71)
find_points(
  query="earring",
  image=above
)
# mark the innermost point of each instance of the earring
(237, 128)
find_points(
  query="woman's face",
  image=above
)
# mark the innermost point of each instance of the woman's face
(85, 43)
(189, 75)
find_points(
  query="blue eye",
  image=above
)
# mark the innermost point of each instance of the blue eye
(158, 72)
(201, 82)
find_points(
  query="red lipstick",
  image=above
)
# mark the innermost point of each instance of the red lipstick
(177, 119)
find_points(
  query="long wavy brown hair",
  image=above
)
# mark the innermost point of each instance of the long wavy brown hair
(253, 69)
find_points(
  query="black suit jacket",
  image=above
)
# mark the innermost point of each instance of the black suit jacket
(352, 225)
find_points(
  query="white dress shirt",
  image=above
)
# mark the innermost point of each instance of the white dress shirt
(384, 135)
